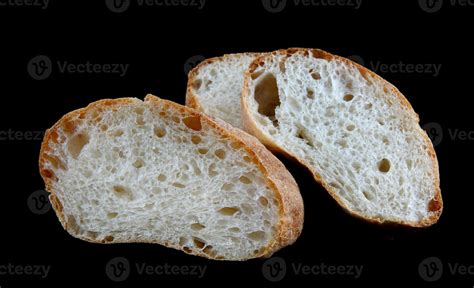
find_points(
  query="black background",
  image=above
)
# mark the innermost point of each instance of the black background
(156, 43)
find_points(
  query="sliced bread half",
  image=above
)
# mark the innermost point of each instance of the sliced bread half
(355, 132)
(153, 171)
(215, 86)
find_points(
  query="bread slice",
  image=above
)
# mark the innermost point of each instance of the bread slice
(153, 171)
(215, 86)
(353, 130)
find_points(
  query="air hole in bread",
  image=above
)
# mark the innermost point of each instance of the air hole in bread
(71, 224)
(208, 83)
(195, 139)
(256, 74)
(47, 173)
(348, 97)
(92, 235)
(228, 211)
(187, 250)
(342, 143)
(156, 190)
(175, 119)
(368, 195)
(368, 106)
(310, 93)
(193, 122)
(385, 140)
(227, 186)
(117, 133)
(384, 165)
(220, 153)
(112, 215)
(381, 122)
(77, 143)
(234, 229)
(282, 67)
(139, 110)
(302, 135)
(122, 192)
(182, 241)
(161, 178)
(434, 205)
(256, 236)
(247, 158)
(55, 161)
(409, 164)
(198, 242)
(159, 132)
(203, 151)
(104, 127)
(139, 163)
(197, 226)
(197, 84)
(149, 206)
(212, 170)
(356, 166)
(315, 75)
(245, 180)
(140, 121)
(179, 185)
(350, 127)
(108, 239)
(266, 95)
(263, 201)
(208, 250)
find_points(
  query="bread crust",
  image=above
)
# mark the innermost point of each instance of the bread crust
(251, 127)
(192, 99)
(280, 181)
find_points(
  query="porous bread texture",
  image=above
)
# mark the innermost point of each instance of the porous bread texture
(215, 86)
(153, 171)
(355, 132)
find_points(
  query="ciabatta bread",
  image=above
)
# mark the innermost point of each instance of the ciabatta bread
(215, 86)
(153, 171)
(353, 130)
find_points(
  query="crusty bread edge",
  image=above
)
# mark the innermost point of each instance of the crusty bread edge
(251, 127)
(192, 99)
(291, 211)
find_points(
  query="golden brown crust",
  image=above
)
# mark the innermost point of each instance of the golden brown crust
(251, 127)
(279, 179)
